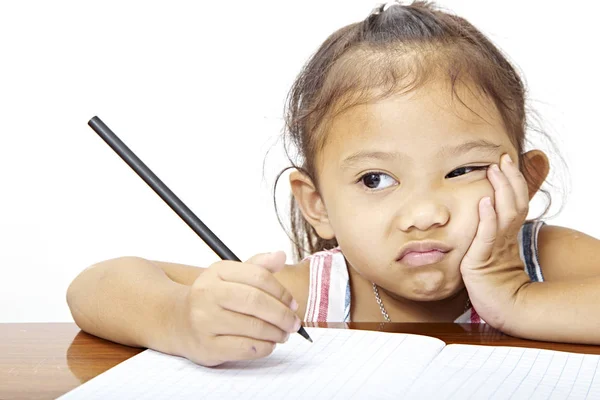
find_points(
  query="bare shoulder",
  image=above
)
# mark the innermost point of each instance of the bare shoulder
(295, 278)
(565, 253)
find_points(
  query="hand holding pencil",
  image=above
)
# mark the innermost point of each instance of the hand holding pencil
(233, 310)
(236, 311)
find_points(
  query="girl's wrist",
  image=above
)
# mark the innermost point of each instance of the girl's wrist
(498, 297)
(179, 332)
(518, 318)
(171, 332)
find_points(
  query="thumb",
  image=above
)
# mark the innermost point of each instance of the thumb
(272, 261)
(481, 248)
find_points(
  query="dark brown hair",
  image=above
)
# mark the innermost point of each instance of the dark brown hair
(395, 49)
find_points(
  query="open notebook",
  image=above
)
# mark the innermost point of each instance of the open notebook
(347, 364)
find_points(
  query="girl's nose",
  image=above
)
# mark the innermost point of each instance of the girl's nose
(422, 214)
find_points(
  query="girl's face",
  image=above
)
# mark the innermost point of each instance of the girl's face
(409, 168)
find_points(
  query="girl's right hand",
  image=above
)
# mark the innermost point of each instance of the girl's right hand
(236, 311)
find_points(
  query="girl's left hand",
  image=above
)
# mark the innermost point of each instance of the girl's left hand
(492, 269)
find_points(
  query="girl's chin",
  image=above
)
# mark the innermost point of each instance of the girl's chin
(430, 297)
(423, 297)
(428, 293)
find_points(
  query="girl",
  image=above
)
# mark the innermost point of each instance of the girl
(411, 196)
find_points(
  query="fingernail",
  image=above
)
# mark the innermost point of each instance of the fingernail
(297, 325)
(287, 337)
(294, 305)
(495, 167)
(508, 159)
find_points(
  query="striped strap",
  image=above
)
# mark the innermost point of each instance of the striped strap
(329, 288)
(528, 240)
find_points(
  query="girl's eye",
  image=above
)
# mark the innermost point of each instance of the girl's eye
(377, 180)
(465, 170)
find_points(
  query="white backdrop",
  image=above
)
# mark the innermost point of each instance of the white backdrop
(196, 90)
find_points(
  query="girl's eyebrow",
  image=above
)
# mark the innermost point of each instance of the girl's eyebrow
(480, 145)
(446, 151)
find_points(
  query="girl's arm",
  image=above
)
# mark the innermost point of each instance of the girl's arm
(226, 312)
(566, 306)
(131, 300)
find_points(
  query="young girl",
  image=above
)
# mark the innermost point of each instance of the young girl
(411, 196)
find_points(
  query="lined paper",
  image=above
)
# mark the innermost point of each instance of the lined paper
(487, 372)
(340, 364)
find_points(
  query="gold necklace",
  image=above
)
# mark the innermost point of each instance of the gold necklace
(384, 312)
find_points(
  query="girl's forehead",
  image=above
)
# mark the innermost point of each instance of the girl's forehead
(422, 119)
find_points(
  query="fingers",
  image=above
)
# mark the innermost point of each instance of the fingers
(239, 311)
(254, 328)
(485, 237)
(258, 277)
(248, 300)
(274, 262)
(237, 348)
(511, 194)
(505, 202)
(518, 183)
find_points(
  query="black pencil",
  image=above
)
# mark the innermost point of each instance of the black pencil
(167, 195)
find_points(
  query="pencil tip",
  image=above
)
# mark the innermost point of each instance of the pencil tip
(304, 334)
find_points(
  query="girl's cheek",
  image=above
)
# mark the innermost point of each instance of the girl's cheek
(486, 187)
(466, 211)
(476, 191)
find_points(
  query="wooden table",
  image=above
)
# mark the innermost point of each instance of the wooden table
(46, 360)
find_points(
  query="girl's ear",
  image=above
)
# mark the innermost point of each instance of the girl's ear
(311, 204)
(537, 166)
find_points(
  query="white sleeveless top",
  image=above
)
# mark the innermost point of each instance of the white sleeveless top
(329, 296)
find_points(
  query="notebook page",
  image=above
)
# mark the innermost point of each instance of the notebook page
(488, 372)
(340, 364)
